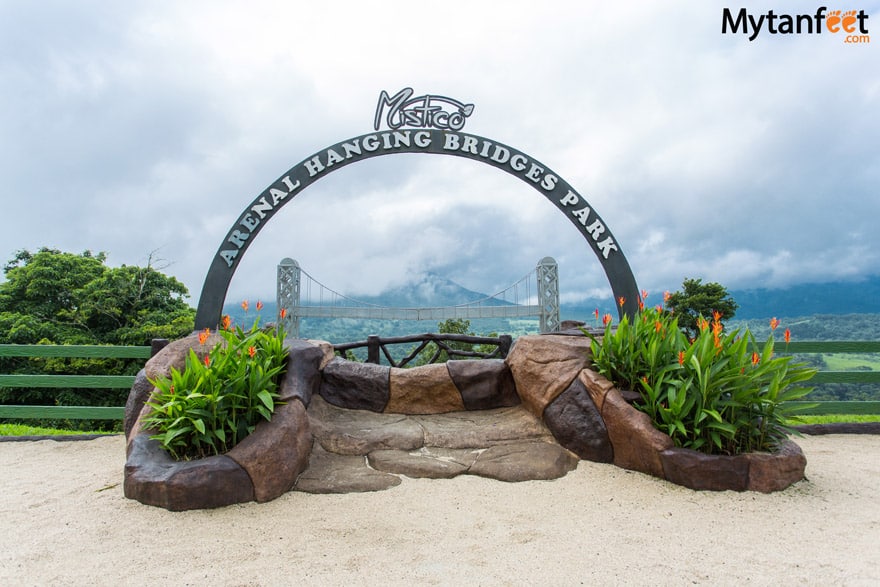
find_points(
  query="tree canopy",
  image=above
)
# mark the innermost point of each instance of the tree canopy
(64, 298)
(697, 299)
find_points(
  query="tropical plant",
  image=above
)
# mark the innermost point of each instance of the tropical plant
(216, 401)
(721, 393)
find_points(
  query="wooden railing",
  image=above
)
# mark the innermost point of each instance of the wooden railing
(71, 381)
(374, 346)
(442, 342)
(852, 377)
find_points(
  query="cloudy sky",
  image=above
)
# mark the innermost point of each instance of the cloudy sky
(146, 128)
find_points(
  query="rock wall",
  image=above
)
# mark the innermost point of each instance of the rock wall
(530, 416)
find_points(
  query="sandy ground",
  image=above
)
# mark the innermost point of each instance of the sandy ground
(65, 521)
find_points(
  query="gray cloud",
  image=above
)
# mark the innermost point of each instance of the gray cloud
(151, 126)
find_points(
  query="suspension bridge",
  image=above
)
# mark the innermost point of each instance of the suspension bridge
(535, 294)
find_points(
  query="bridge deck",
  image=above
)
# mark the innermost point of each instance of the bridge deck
(464, 312)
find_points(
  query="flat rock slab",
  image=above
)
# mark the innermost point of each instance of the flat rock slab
(332, 473)
(427, 462)
(482, 428)
(524, 461)
(359, 432)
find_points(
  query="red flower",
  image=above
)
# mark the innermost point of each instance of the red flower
(207, 360)
(259, 305)
(172, 389)
(756, 358)
(787, 335)
(252, 351)
(226, 322)
(203, 335)
(606, 319)
(681, 357)
(283, 313)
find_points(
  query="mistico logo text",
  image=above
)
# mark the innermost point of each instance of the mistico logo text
(850, 24)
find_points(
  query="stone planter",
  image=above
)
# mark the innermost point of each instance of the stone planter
(638, 446)
(260, 468)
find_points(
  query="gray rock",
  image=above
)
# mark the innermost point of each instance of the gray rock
(524, 461)
(333, 473)
(358, 386)
(427, 462)
(577, 425)
(481, 428)
(358, 432)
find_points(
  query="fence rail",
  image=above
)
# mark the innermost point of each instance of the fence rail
(375, 345)
(71, 381)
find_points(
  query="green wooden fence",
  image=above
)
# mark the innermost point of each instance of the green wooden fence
(71, 381)
(145, 352)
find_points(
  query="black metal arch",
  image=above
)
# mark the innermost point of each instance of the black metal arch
(300, 176)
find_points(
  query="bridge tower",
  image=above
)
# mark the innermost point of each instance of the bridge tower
(548, 294)
(288, 295)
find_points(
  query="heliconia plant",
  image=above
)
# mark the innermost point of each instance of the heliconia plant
(720, 393)
(215, 402)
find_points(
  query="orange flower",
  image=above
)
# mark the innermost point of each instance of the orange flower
(252, 351)
(226, 322)
(606, 319)
(245, 306)
(621, 301)
(666, 296)
(283, 313)
(172, 389)
(658, 326)
(259, 305)
(756, 358)
(702, 323)
(644, 293)
(203, 335)
(207, 360)
(774, 322)
(787, 335)
(681, 357)
(716, 315)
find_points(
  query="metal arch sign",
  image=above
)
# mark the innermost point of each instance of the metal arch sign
(441, 141)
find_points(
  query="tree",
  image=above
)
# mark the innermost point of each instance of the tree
(698, 299)
(53, 297)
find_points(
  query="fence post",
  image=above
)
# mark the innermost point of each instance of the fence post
(505, 340)
(156, 345)
(373, 349)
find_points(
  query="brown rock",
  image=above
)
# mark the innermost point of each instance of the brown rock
(524, 461)
(332, 473)
(484, 384)
(326, 348)
(481, 428)
(701, 471)
(543, 366)
(776, 471)
(302, 376)
(423, 390)
(427, 462)
(596, 385)
(152, 477)
(636, 443)
(276, 452)
(358, 386)
(577, 425)
(358, 432)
